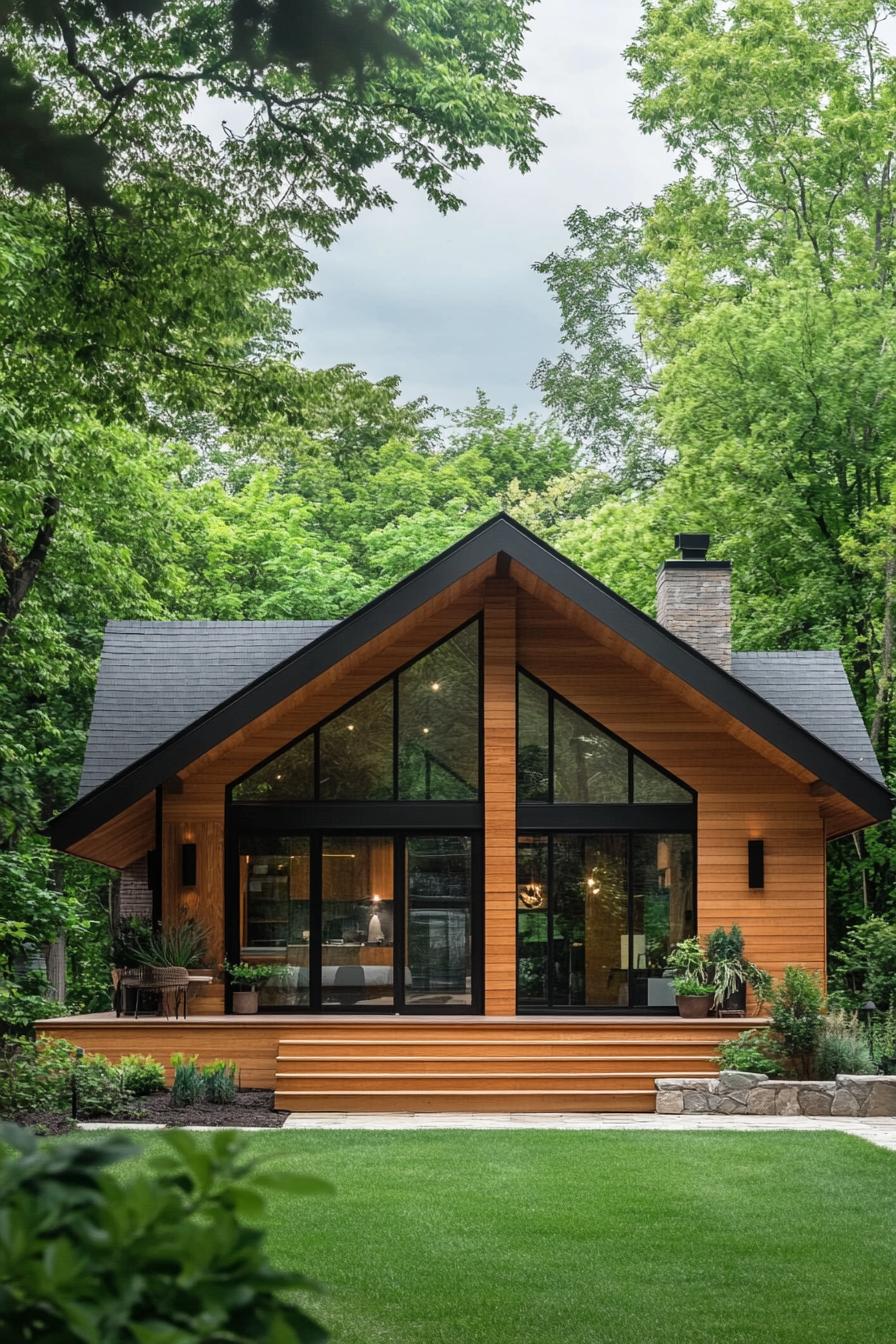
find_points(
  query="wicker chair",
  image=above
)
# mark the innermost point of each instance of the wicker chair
(164, 981)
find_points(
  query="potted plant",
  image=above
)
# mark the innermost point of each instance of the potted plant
(245, 979)
(693, 988)
(731, 973)
(179, 942)
(693, 996)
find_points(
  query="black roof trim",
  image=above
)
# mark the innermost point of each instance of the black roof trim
(500, 535)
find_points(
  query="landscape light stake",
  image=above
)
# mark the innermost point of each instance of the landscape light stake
(79, 1055)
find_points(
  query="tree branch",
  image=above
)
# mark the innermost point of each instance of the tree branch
(19, 575)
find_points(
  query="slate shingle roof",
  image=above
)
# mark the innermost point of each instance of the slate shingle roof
(811, 687)
(158, 677)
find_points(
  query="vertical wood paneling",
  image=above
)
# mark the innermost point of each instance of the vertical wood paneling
(500, 795)
(205, 901)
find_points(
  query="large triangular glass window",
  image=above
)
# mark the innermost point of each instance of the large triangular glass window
(416, 737)
(288, 777)
(565, 757)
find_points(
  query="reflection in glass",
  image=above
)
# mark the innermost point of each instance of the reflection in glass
(663, 911)
(589, 765)
(438, 721)
(288, 776)
(590, 920)
(356, 921)
(274, 914)
(532, 921)
(652, 786)
(356, 750)
(533, 707)
(438, 930)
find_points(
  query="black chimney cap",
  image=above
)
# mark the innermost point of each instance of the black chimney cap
(692, 545)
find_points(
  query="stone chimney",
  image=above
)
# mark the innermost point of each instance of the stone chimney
(693, 598)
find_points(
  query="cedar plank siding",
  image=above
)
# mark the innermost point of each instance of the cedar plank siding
(741, 792)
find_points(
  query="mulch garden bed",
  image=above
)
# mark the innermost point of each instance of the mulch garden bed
(253, 1108)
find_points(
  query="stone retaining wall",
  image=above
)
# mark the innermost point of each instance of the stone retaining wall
(734, 1093)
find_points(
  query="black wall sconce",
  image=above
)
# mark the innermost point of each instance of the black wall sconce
(188, 865)
(756, 863)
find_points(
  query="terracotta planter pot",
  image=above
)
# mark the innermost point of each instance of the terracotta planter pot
(245, 1000)
(693, 1005)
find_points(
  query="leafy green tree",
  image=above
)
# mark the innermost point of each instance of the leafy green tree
(752, 310)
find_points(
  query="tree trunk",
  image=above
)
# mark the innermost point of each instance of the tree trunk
(56, 967)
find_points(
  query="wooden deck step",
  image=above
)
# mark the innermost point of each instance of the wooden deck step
(490, 1065)
(579, 1099)
(495, 1049)
(374, 1083)
(416, 1064)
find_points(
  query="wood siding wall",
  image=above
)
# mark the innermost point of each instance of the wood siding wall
(742, 793)
(196, 813)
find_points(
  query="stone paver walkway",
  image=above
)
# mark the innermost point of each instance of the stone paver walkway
(879, 1131)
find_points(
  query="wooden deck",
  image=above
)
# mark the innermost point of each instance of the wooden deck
(352, 1063)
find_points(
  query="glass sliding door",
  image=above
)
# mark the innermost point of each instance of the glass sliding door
(590, 924)
(597, 913)
(533, 946)
(275, 915)
(662, 911)
(438, 921)
(357, 921)
(360, 922)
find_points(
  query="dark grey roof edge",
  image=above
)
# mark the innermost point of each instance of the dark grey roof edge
(500, 534)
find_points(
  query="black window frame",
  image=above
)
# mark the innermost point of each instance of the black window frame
(314, 731)
(551, 1009)
(261, 828)
(551, 818)
(396, 818)
(626, 816)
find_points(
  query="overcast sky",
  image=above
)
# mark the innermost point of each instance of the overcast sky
(452, 304)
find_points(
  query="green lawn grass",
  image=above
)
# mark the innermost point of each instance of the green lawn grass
(503, 1237)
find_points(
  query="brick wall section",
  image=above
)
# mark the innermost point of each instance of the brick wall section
(134, 893)
(693, 600)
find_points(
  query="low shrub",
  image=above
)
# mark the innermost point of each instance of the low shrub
(219, 1082)
(101, 1088)
(94, 1242)
(142, 1074)
(880, 1033)
(864, 966)
(797, 1003)
(38, 1076)
(188, 1086)
(756, 1051)
(842, 1047)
